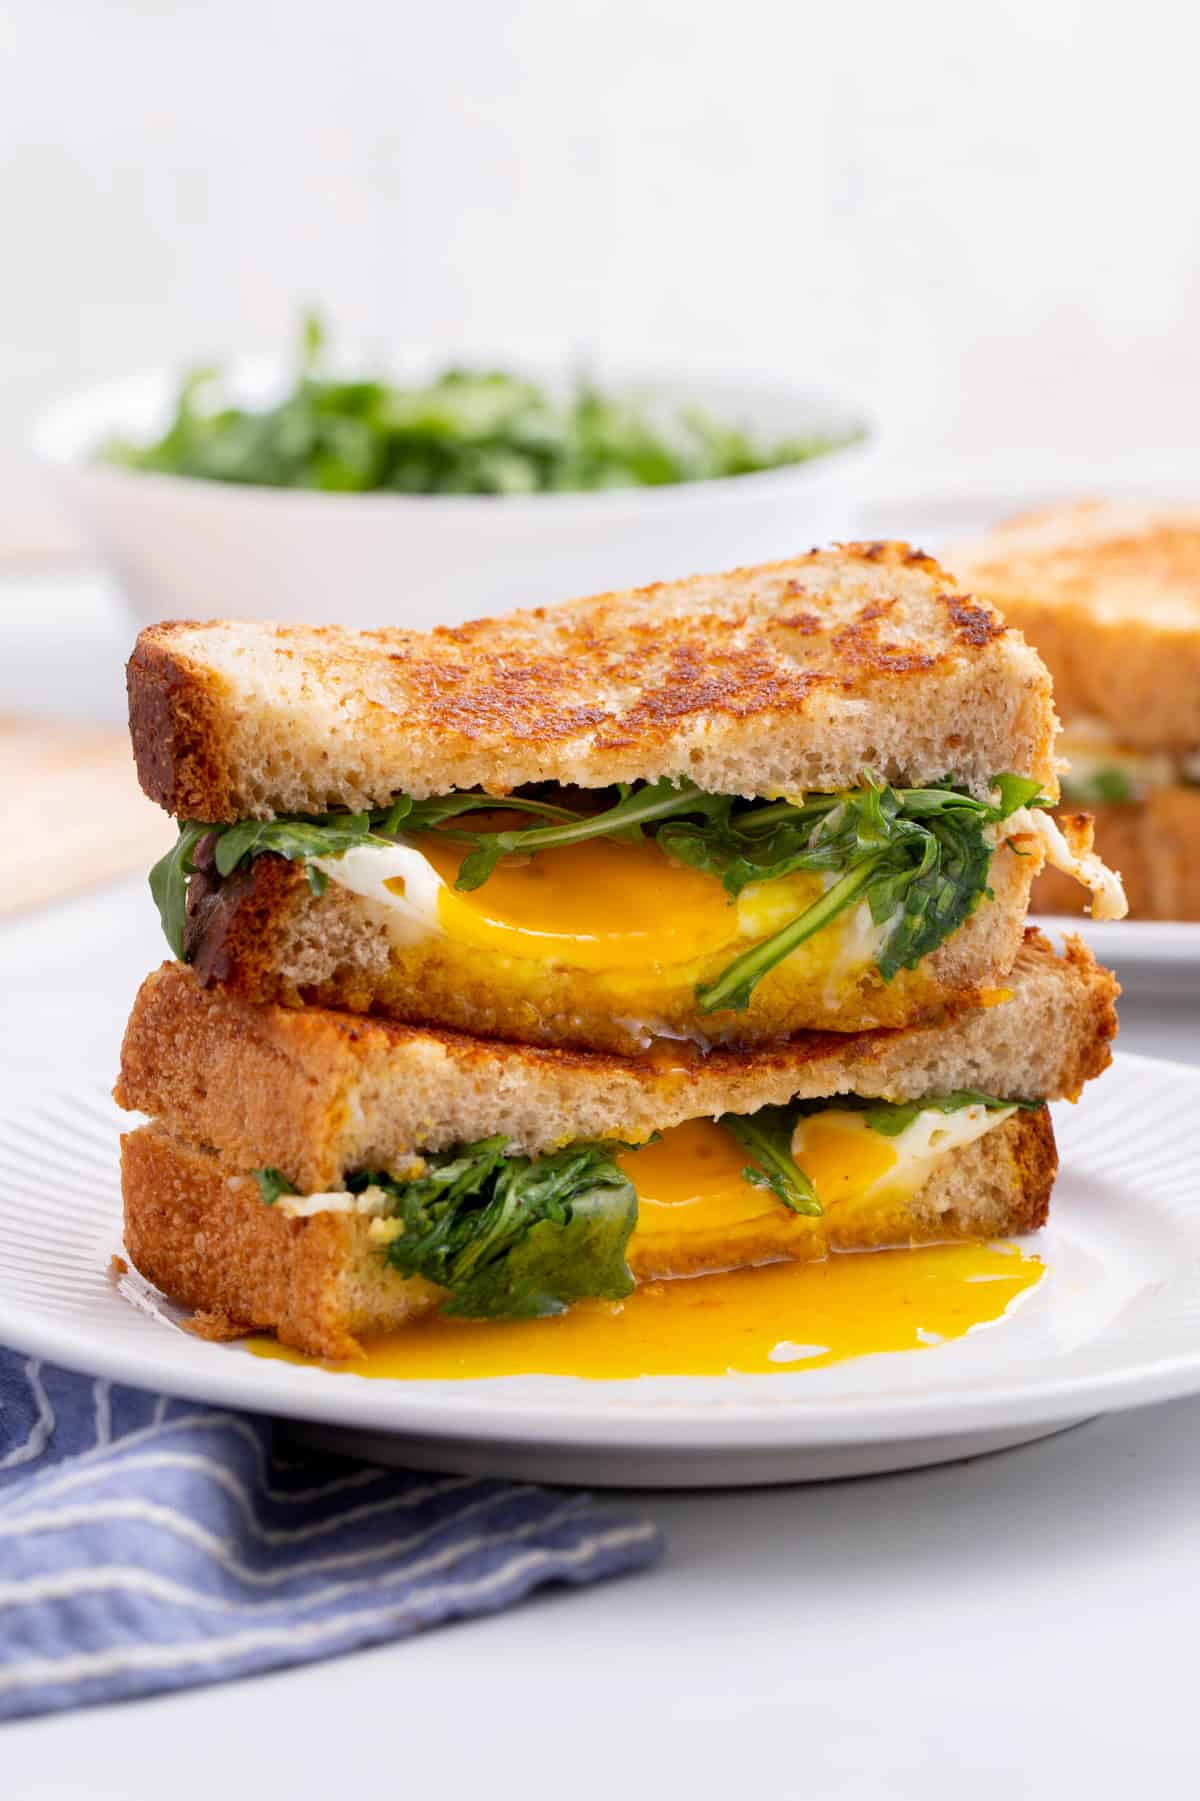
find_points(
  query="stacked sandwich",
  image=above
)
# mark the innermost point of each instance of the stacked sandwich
(1110, 596)
(669, 932)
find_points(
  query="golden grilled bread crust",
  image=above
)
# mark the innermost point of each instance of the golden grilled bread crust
(203, 1235)
(199, 1230)
(320, 1094)
(1110, 596)
(268, 938)
(1155, 844)
(793, 676)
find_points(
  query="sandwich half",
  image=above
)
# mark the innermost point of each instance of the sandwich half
(325, 1178)
(1110, 596)
(723, 810)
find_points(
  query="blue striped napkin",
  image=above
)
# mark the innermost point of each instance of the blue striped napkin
(149, 1544)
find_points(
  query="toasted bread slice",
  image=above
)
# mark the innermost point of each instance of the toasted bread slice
(1110, 596)
(320, 1095)
(265, 936)
(198, 1229)
(1155, 843)
(794, 676)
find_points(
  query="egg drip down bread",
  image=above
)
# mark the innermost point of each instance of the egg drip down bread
(661, 933)
(1109, 594)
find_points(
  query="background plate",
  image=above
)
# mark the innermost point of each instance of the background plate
(1115, 1323)
(1151, 956)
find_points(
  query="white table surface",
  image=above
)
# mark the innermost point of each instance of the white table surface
(1016, 1625)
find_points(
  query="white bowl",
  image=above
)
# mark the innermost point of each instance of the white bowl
(184, 548)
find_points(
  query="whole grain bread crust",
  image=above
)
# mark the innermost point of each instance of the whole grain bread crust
(199, 1230)
(1109, 593)
(791, 676)
(318, 1094)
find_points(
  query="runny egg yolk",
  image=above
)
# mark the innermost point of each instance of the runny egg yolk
(691, 1179)
(842, 1156)
(603, 905)
(765, 1320)
(778, 1320)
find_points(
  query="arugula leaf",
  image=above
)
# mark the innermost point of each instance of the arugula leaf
(304, 836)
(1017, 791)
(734, 986)
(169, 880)
(271, 1184)
(934, 896)
(468, 431)
(636, 808)
(767, 1136)
(514, 1237)
(556, 1263)
(893, 1117)
(916, 855)
(327, 835)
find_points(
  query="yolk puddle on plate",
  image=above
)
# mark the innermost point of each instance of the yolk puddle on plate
(764, 1321)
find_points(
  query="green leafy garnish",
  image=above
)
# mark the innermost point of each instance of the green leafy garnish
(637, 807)
(893, 1117)
(918, 856)
(514, 1237)
(169, 880)
(327, 835)
(271, 1184)
(302, 838)
(468, 431)
(767, 1136)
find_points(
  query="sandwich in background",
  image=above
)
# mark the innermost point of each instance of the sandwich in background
(1109, 594)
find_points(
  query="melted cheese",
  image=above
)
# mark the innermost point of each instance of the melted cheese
(786, 1317)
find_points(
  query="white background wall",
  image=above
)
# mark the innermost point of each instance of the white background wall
(982, 217)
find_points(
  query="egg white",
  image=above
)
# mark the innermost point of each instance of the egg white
(917, 1150)
(365, 871)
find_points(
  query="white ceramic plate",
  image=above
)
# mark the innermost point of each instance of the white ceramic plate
(1170, 942)
(1115, 1323)
(1151, 956)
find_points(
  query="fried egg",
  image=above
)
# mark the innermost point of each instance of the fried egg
(691, 1180)
(1083, 865)
(847, 1160)
(602, 905)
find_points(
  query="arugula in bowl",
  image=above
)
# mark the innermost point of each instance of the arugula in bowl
(467, 431)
